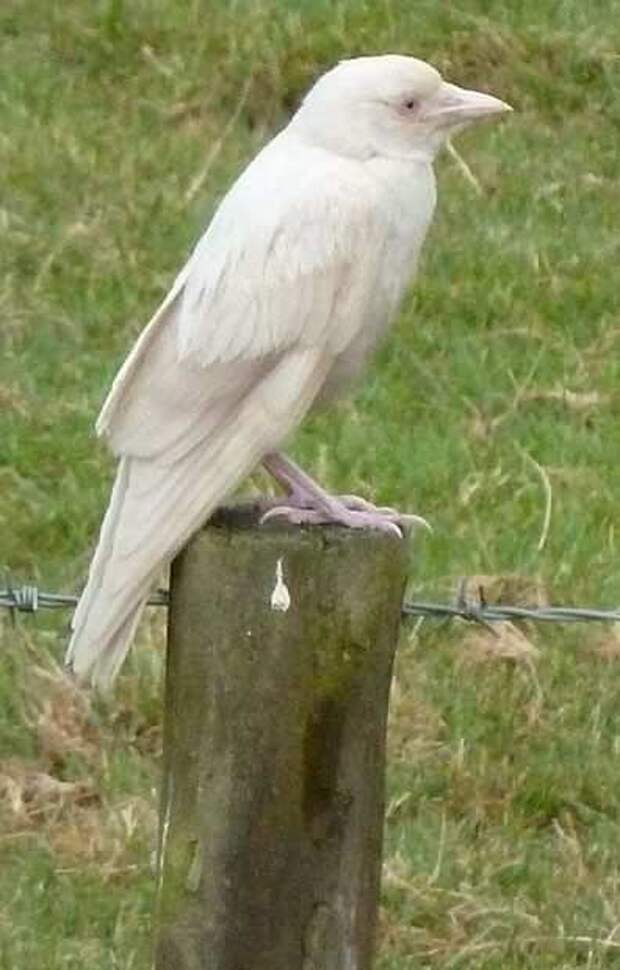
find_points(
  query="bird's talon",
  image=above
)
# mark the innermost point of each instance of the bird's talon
(410, 520)
(347, 510)
(278, 512)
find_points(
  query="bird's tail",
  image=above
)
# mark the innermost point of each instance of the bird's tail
(101, 633)
(155, 507)
(153, 511)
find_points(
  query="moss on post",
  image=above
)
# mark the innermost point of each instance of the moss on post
(280, 652)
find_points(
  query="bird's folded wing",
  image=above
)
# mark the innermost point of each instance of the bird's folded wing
(259, 286)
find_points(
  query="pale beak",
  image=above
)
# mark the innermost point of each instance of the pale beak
(458, 106)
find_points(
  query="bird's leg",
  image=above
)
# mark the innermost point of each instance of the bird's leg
(307, 502)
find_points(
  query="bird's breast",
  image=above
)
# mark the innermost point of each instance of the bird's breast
(406, 200)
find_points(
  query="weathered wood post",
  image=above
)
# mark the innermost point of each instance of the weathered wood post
(281, 643)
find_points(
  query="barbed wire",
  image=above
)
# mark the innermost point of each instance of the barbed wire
(489, 613)
(30, 599)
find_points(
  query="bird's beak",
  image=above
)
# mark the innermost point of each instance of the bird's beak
(458, 106)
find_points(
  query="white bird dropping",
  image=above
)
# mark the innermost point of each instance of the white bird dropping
(280, 596)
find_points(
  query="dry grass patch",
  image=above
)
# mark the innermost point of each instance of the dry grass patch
(61, 796)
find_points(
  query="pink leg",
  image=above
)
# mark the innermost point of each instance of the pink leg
(307, 502)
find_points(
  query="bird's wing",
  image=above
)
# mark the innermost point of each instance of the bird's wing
(262, 282)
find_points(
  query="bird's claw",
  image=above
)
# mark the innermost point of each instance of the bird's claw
(350, 518)
(347, 510)
(405, 520)
(295, 514)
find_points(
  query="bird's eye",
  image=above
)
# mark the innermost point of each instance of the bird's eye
(410, 104)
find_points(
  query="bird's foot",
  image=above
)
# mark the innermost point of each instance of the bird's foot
(307, 503)
(347, 510)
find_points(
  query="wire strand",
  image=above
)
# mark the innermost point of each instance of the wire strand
(30, 599)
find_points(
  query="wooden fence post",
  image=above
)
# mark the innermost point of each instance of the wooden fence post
(280, 650)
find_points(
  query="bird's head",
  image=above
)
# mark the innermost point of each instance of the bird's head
(388, 105)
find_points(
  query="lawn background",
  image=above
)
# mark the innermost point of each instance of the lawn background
(122, 123)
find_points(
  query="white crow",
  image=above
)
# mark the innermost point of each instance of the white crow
(279, 306)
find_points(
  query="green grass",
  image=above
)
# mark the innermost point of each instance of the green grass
(504, 785)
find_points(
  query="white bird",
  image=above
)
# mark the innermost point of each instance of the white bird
(279, 306)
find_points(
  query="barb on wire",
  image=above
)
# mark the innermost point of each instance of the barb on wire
(30, 599)
(486, 613)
